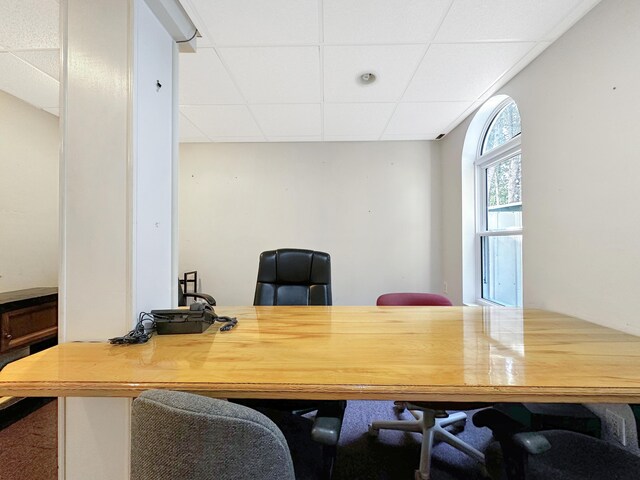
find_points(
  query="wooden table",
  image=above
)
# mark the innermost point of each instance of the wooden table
(417, 353)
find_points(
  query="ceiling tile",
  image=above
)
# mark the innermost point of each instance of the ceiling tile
(312, 138)
(427, 119)
(356, 119)
(501, 20)
(381, 21)
(415, 136)
(238, 139)
(27, 82)
(392, 65)
(204, 80)
(222, 120)
(29, 24)
(188, 132)
(351, 138)
(275, 74)
(289, 120)
(456, 72)
(260, 22)
(47, 61)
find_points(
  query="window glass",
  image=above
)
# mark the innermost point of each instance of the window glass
(504, 198)
(502, 269)
(504, 127)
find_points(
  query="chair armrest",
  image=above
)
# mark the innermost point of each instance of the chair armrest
(534, 443)
(328, 422)
(207, 298)
(326, 430)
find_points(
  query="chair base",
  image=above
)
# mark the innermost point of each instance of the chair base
(431, 428)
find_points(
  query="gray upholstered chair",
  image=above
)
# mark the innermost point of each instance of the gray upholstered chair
(429, 418)
(177, 435)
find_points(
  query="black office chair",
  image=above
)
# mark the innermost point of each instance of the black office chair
(552, 454)
(177, 435)
(429, 418)
(291, 276)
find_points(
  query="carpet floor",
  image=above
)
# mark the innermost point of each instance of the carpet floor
(395, 455)
(28, 448)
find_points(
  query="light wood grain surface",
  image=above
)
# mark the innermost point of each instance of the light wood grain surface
(417, 353)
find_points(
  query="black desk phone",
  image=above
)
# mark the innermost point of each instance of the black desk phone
(196, 319)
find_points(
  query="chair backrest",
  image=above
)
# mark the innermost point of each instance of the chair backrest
(290, 276)
(413, 299)
(190, 437)
(182, 301)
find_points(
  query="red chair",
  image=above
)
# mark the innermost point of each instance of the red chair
(430, 418)
(413, 299)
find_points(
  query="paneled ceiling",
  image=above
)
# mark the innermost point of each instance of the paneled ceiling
(290, 70)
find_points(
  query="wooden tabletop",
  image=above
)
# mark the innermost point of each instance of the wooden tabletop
(416, 353)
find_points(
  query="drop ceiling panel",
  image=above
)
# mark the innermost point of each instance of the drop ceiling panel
(312, 138)
(409, 137)
(382, 21)
(292, 120)
(27, 82)
(28, 24)
(258, 139)
(356, 119)
(522, 20)
(222, 120)
(47, 61)
(351, 138)
(204, 80)
(275, 74)
(260, 22)
(392, 65)
(455, 72)
(189, 132)
(424, 119)
(288, 70)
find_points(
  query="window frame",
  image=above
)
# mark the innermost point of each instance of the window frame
(482, 162)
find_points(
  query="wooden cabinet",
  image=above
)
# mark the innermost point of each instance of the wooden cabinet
(28, 317)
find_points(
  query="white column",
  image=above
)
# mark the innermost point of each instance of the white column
(117, 207)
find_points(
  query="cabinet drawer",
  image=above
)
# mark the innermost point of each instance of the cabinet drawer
(29, 325)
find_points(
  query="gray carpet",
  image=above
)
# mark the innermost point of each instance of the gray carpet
(395, 455)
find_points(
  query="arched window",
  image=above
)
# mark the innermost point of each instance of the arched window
(499, 208)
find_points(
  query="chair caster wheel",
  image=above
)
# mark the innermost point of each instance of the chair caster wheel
(458, 427)
(399, 407)
(373, 432)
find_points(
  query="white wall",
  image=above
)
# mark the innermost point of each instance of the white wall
(373, 206)
(29, 153)
(580, 142)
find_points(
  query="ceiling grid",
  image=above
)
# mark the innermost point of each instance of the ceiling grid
(287, 70)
